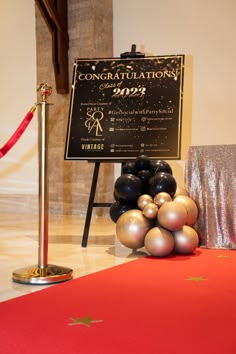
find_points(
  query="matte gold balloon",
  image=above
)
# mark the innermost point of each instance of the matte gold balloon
(150, 211)
(131, 228)
(159, 242)
(186, 240)
(172, 216)
(161, 198)
(143, 200)
(190, 206)
(180, 191)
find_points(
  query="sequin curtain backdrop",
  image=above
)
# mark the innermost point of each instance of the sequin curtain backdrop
(210, 178)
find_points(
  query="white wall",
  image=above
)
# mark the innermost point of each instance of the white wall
(205, 32)
(18, 169)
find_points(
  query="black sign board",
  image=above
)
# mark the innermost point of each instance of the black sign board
(123, 108)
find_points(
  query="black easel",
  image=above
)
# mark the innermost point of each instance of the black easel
(132, 54)
(91, 204)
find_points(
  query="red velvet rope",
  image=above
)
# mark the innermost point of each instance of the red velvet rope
(19, 131)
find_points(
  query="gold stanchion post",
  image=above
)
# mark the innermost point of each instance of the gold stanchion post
(43, 273)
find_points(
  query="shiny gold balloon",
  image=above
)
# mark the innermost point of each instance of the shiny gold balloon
(143, 200)
(180, 191)
(131, 228)
(150, 211)
(172, 216)
(161, 198)
(186, 240)
(190, 206)
(159, 242)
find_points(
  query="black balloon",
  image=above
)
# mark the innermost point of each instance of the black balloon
(117, 209)
(162, 182)
(129, 167)
(160, 166)
(128, 188)
(145, 175)
(142, 162)
(116, 198)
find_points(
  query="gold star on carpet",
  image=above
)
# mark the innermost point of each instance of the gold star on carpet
(222, 256)
(196, 279)
(86, 321)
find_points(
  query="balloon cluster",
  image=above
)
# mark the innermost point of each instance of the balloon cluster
(151, 210)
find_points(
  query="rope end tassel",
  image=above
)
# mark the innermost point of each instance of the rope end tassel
(18, 133)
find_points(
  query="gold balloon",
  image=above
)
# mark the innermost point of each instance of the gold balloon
(161, 198)
(172, 216)
(131, 228)
(190, 206)
(150, 211)
(186, 240)
(143, 200)
(180, 191)
(159, 242)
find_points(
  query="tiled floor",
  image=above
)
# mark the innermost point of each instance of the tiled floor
(19, 243)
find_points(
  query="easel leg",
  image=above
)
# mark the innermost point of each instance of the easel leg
(90, 204)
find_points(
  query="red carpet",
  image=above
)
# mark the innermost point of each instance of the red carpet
(182, 304)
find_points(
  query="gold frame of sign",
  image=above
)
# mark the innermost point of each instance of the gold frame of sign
(210, 178)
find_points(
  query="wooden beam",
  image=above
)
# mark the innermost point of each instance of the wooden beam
(54, 13)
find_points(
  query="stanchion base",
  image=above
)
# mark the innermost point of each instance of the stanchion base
(47, 275)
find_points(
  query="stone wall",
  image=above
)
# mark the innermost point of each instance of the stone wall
(90, 34)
